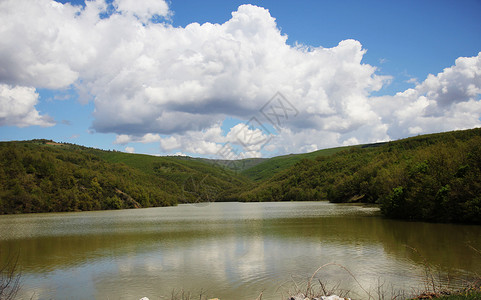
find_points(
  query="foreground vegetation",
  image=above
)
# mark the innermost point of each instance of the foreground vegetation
(318, 287)
(433, 177)
(9, 278)
(470, 295)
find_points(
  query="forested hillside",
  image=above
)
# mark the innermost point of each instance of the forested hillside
(432, 177)
(44, 176)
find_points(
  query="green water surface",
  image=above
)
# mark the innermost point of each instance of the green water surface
(230, 251)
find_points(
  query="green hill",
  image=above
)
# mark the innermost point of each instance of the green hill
(44, 176)
(269, 167)
(239, 165)
(433, 177)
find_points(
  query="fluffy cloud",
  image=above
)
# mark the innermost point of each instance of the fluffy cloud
(154, 78)
(147, 138)
(446, 101)
(152, 82)
(144, 10)
(241, 141)
(130, 149)
(205, 142)
(17, 107)
(35, 43)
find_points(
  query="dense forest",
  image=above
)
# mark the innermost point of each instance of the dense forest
(433, 177)
(44, 176)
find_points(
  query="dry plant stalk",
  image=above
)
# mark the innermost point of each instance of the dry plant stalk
(9, 278)
(340, 266)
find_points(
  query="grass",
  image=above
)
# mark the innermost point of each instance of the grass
(469, 294)
(183, 295)
(463, 296)
(314, 287)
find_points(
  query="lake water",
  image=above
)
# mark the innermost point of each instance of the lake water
(230, 251)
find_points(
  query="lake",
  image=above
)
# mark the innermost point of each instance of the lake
(230, 251)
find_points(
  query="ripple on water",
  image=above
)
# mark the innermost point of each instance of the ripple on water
(233, 250)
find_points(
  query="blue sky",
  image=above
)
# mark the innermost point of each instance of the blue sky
(415, 38)
(138, 76)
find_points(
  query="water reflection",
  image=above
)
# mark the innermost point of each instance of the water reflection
(229, 250)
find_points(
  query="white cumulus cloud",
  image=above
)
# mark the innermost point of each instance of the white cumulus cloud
(130, 149)
(240, 142)
(123, 139)
(17, 107)
(449, 100)
(152, 82)
(144, 10)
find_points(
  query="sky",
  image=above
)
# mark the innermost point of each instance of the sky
(236, 79)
